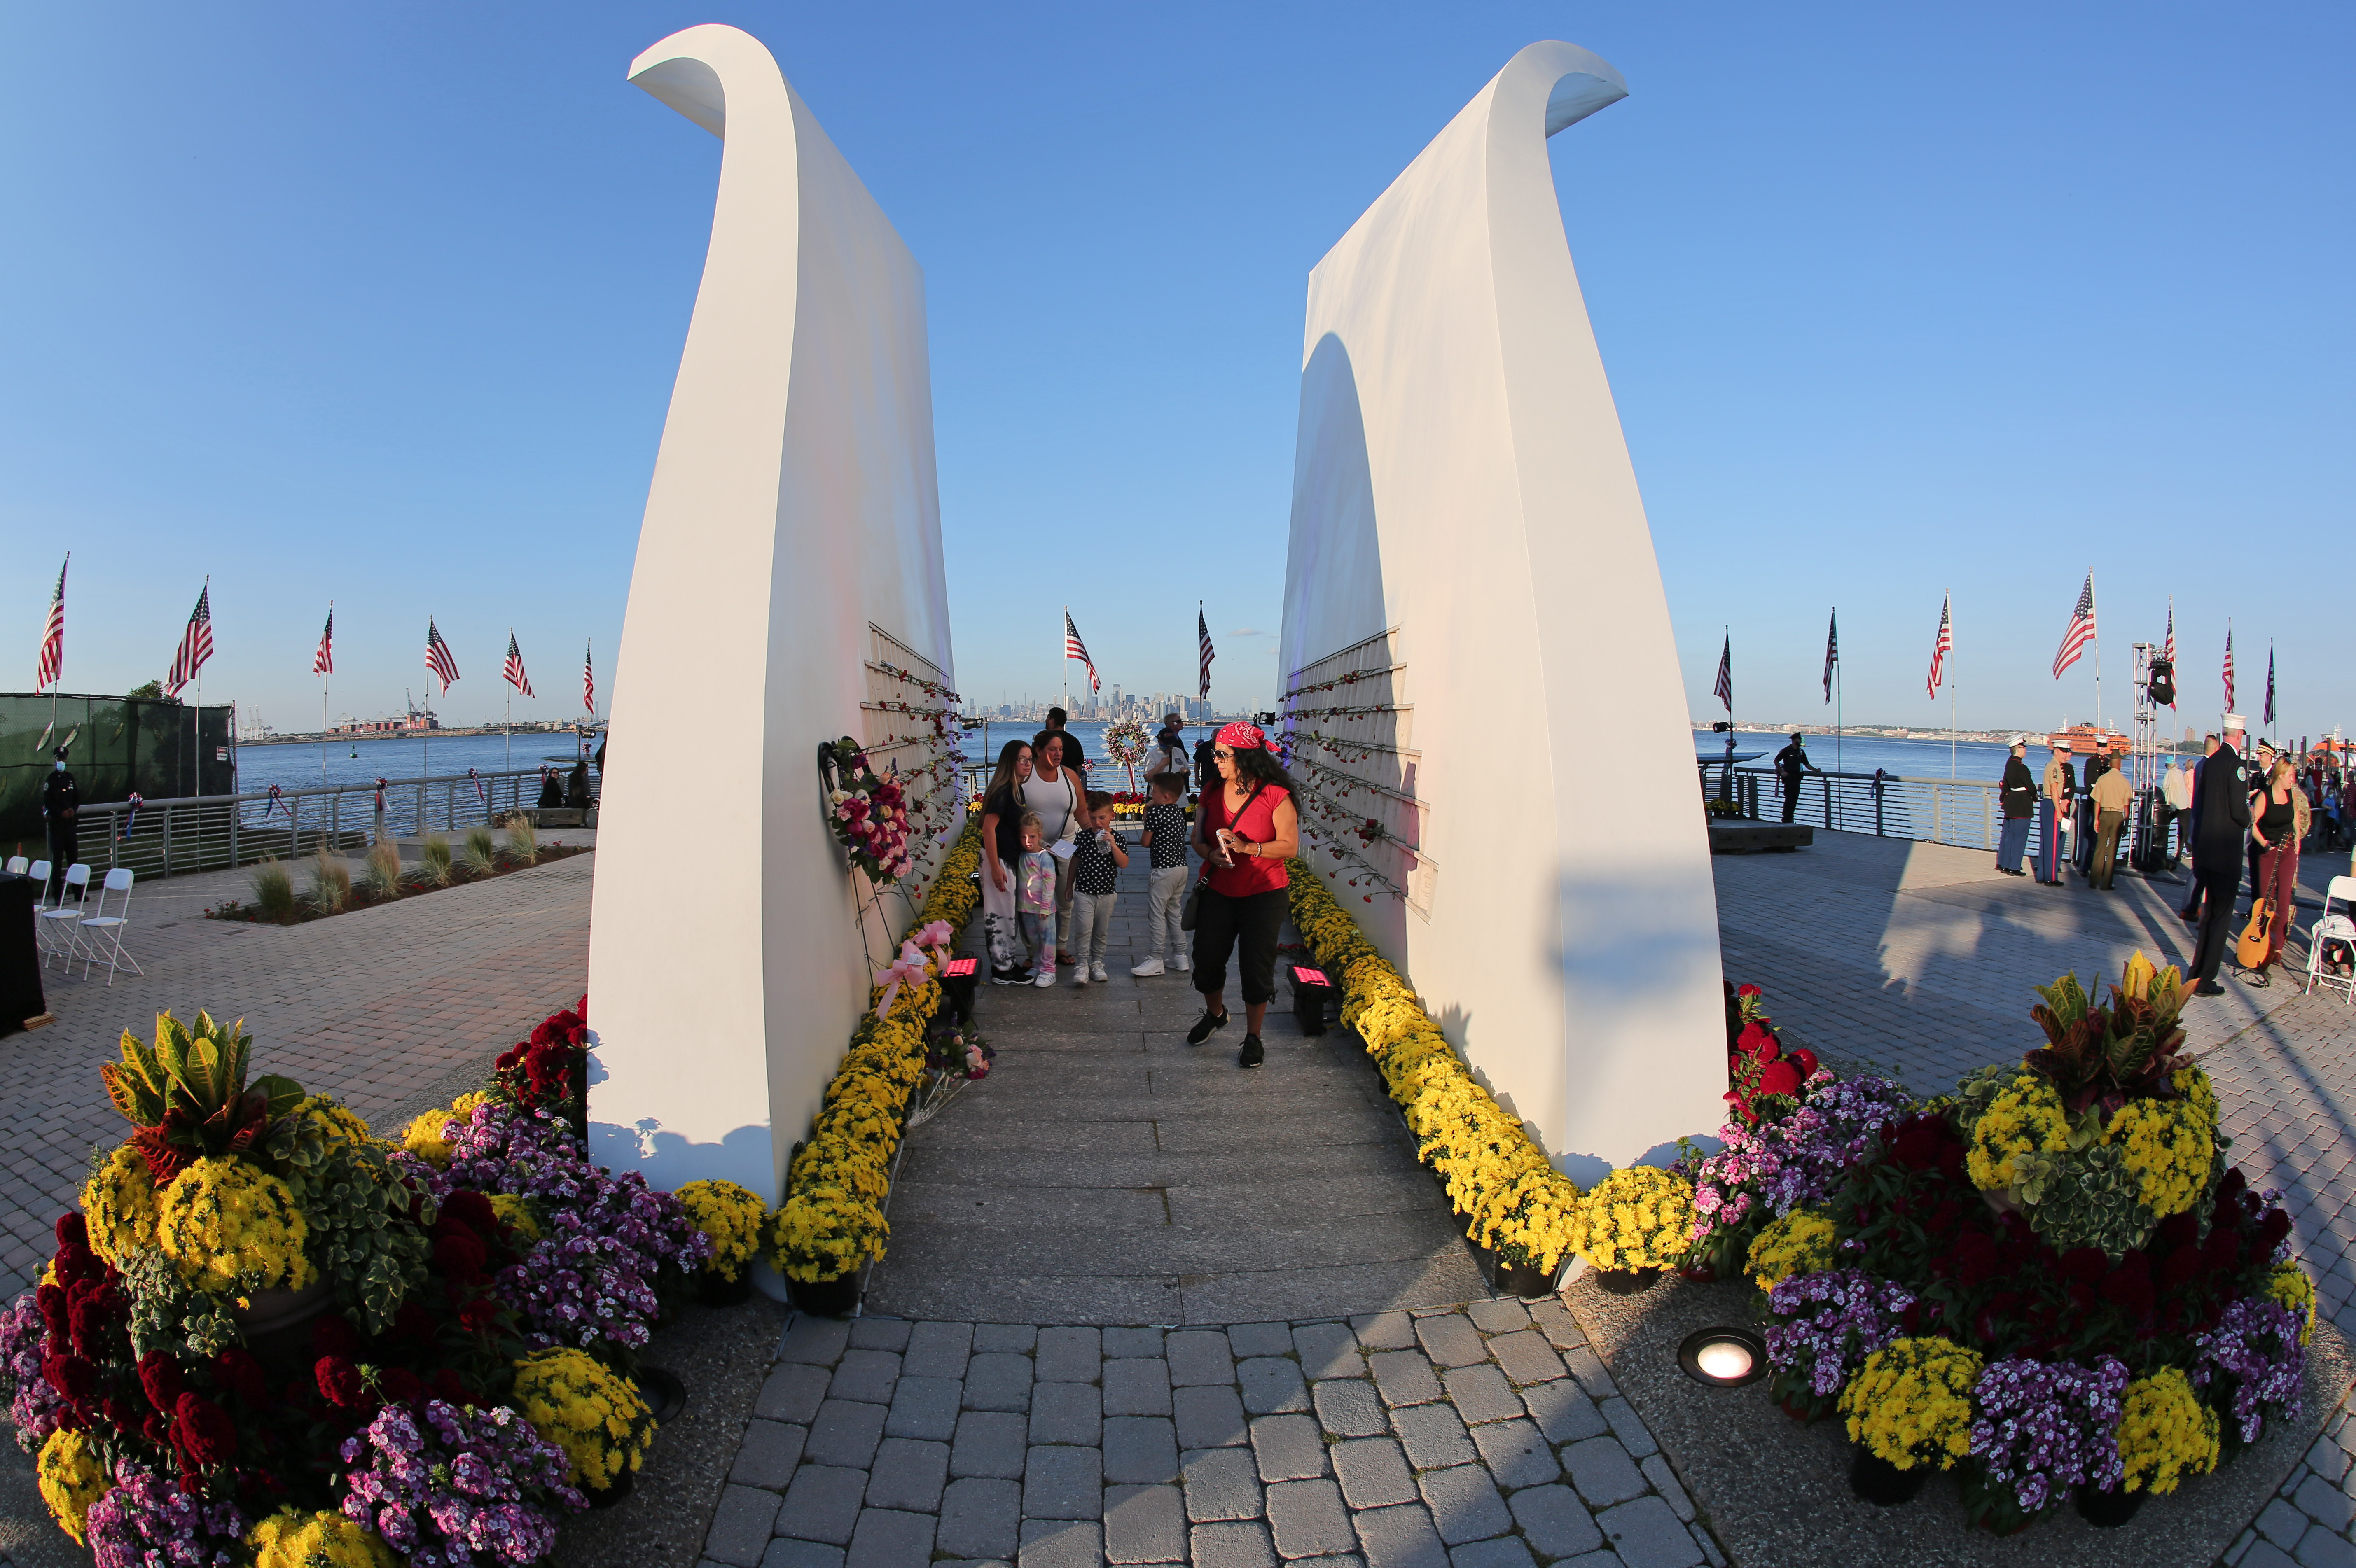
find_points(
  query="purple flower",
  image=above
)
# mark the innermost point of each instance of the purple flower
(1831, 1321)
(2047, 1426)
(1799, 1160)
(2256, 1347)
(34, 1406)
(145, 1522)
(475, 1487)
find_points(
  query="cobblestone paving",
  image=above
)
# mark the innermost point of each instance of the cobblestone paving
(1484, 1436)
(381, 1006)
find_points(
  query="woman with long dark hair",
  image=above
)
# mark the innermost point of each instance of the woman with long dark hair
(1001, 865)
(1057, 792)
(1246, 829)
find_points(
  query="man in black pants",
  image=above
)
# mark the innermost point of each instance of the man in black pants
(2217, 852)
(61, 811)
(1791, 764)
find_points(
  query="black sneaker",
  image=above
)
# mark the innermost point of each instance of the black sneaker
(2208, 989)
(1010, 978)
(1253, 1053)
(1204, 1025)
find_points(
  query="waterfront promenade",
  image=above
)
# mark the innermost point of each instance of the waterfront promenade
(1144, 1306)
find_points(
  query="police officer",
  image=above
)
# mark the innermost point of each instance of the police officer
(1790, 764)
(61, 809)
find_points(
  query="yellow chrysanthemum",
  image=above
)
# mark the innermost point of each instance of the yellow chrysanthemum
(424, 1137)
(231, 1226)
(1638, 1217)
(1910, 1402)
(2168, 1144)
(291, 1540)
(1799, 1243)
(2025, 1117)
(118, 1201)
(2165, 1433)
(2289, 1286)
(335, 1119)
(516, 1213)
(594, 1415)
(732, 1216)
(71, 1479)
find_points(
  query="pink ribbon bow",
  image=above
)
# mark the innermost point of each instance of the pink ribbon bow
(908, 967)
(936, 936)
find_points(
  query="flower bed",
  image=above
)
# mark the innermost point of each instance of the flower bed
(413, 884)
(831, 1222)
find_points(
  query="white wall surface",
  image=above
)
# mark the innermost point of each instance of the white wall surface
(793, 502)
(1461, 475)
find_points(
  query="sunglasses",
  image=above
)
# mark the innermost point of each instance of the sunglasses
(1222, 751)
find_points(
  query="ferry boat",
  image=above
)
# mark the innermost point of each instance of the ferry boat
(2081, 739)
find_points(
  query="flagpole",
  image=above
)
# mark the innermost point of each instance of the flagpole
(2095, 610)
(326, 676)
(1948, 610)
(507, 725)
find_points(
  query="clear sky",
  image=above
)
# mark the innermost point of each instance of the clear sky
(382, 303)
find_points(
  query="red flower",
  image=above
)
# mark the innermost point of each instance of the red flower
(160, 1376)
(1779, 1078)
(51, 1300)
(398, 1384)
(459, 1253)
(1757, 1043)
(1916, 1148)
(413, 1322)
(76, 1261)
(1805, 1060)
(339, 1381)
(508, 1058)
(333, 1334)
(480, 1313)
(1746, 990)
(241, 1373)
(2183, 1267)
(73, 1229)
(71, 1376)
(90, 1309)
(444, 1382)
(203, 1432)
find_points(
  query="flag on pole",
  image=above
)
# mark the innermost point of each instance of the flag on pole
(514, 671)
(1202, 646)
(324, 661)
(1832, 653)
(2229, 669)
(2080, 630)
(53, 633)
(588, 678)
(1724, 690)
(1076, 650)
(196, 644)
(1944, 645)
(2269, 718)
(437, 657)
(2167, 651)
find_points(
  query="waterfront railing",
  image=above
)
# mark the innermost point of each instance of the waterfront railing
(215, 832)
(1961, 812)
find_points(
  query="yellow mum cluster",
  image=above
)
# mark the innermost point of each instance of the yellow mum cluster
(291, 1540)
(1637, 1217)
(732, 1216)
(2288, 1286)
(2025, 1118)
(1516, 1202)
(1799, 1243)
(70, 1478)
(2168, 1144)
(2165, 1432)
(832, 1223)
(594, 1415)
(516, 1214)
(335, 1119)
(1911, 1403)
(424, 1137)
(231, 1226)
(118, 1201)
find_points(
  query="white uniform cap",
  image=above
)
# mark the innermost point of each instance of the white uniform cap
(2235, 721)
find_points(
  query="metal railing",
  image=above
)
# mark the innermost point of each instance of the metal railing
(1961, 812)
(207, 833)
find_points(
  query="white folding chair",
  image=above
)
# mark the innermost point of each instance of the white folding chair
(39, 872)
(2331, 927)
(61, 920)
(16, 864)
(100, 934)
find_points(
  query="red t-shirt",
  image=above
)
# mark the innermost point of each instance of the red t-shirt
(1257, 823)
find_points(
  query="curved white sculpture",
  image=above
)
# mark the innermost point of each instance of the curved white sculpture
(1461, 484)
(793, 511)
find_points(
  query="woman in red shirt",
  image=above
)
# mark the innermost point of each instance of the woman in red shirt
(1245, 830)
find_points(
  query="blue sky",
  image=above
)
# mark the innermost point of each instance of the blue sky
(383, 304)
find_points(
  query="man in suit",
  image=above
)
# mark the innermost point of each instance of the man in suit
(2189, 829)
(2216, 851)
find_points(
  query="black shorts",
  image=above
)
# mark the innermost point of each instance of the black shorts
(1222, 924)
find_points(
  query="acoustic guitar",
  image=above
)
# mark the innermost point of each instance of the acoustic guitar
(2250, 951)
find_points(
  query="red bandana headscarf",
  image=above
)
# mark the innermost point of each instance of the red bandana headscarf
(1241, 737)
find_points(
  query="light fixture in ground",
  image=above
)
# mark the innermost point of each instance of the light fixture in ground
(1723, 1358)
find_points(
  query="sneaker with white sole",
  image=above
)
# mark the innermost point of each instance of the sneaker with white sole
(1151, 967)
(1182, 963)
(1046, 977)
(1080, 977)
(1096, 972)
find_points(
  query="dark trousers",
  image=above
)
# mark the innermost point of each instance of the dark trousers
(1790, 796)
(2257, 876)
(2048, 842)
(2013, 844)
(2217, 917)
(1223, 924)
(65, 848)
(2106, 848)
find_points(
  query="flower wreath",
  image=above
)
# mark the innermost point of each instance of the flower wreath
(868, 813)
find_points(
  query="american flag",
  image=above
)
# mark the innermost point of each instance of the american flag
(514, 671)
(2080, 630)
(588, 678)
(53, 635)
(196, 644)
(1941, 648)
(1832, 653)
(1076, 650)
(2269, 718)
(1203, 645)
(2229, 669)
(1724, 690)
(324, 661)
(2168, 652)
(437, 655)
